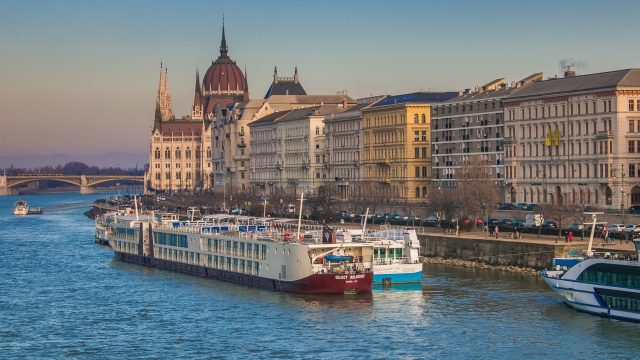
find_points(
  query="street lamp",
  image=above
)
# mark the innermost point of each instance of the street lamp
(622, 174)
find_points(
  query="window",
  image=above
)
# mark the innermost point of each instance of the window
(632, 147)
(631, 103)
(417, 192)
(424, 119)
(415, 118)
(167, 153)
(156, 154)
(417, 153)
(424, 171)
(424, 152)
(416, 136)
(242, 175)
(424, 136)
(632, 170)
(317, 130)
(178, 153)
(417, 171)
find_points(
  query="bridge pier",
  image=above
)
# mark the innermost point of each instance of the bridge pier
(88, 190)
(4, 190)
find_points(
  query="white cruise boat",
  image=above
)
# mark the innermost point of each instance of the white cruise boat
(598, 285)
(20, 208)
(257, 253)
(395, 254)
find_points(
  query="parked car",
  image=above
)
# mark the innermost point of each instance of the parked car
(532, 207)
(571, 208)
(599, 227)
(507, 206)
(161, 198)
(432, 218)
(631, 229)
(505, 222)
(588, 208)
(635, 209)
(414, 217)
(517, 222)
(615, 227)
(576, 226)
(549, 224)
(493, 221)
(521, 206)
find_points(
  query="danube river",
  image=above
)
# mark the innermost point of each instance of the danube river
(61, 295)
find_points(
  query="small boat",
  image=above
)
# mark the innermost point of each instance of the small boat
(601, 286)
(20, 208)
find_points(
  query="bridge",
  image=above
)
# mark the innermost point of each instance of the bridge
(9, 184)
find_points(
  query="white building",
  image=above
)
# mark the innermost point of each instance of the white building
(344, 149)
(574, 140)
(288, 148)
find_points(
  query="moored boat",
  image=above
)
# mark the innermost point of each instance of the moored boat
(256, 253)
(601, 286)
(20, 208)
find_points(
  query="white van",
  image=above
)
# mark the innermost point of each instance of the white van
(533, 221)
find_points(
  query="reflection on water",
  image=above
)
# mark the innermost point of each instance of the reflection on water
(62, 295)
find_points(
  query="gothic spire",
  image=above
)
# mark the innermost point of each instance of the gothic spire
(223, 43)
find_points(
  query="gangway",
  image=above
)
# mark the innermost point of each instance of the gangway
(67, 206)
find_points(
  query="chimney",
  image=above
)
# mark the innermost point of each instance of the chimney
(344, 103)
(459, 92)
(467, 91)
(569, 72)
(477, 88)
(513, 84)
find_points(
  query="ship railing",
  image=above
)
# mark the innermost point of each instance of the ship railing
(390, 261)
(342, 268)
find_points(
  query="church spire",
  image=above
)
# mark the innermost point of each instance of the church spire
(223, 43)
(163, 102)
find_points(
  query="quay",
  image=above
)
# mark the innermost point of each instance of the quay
(530, 252)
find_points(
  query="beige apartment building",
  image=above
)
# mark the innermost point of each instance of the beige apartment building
(397, 145)
(575, 140)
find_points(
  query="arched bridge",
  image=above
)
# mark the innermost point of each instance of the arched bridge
(8, 184)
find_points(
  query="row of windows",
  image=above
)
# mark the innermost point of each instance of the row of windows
(214, 261)
(237, 248)
(127, 247)
(470, 107)
(178, 153)
(574, 171)
(612, 274)
(558, 110)
(161, 238)
(167, 175)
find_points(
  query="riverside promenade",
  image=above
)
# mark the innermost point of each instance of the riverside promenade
(532, 251)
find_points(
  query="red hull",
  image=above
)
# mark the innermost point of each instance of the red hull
(317, 284)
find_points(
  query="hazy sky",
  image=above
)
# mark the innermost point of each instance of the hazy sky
(81, 77)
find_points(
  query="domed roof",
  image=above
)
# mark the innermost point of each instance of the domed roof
(223, 74)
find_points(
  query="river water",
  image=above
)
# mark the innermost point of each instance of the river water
(61, 295)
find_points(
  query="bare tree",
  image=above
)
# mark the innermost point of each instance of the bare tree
(477, 190)
(322, 202)
(443, 203)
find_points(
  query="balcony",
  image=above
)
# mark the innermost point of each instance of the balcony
(600, 135)
(240, 157)
(242, 145)
(305, 165)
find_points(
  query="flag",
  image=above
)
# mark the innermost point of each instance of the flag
(547, 141)
(556, 137)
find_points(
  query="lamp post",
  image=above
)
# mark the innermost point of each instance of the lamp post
(622, 174)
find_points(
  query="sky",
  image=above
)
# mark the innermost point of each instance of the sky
(81, 77)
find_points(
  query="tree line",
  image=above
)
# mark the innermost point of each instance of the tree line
(74, 168)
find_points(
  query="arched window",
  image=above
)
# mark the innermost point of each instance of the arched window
(197, 153)
(424, 191)
(242, 186)
(178, 153)
(187, 153)
(156, 154)
(424, 119)
(242, 163)
(415, 118)
(241, 140)
(317, 130)
(167, 153)
(417, 192)
(241, 130)
(208, 152)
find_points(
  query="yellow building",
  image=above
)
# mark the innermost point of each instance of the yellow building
(397, 147)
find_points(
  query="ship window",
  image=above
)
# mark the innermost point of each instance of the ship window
(182, 241)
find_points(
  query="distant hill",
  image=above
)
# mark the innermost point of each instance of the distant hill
(113, 159)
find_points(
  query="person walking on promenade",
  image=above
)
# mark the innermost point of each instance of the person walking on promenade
(496, 231)
(566, 237)
(490, 230)
(570, 236)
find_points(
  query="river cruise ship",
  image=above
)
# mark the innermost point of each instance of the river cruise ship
(601, 286)
(251, 251)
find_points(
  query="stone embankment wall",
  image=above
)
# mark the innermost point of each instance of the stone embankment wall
(494, 252)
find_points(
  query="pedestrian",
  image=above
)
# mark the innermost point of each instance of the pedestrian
(566, 237)
(496, 230)
(582, 234)
(490, 231)
(570, 236)
(515, 233)
(330, 220)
